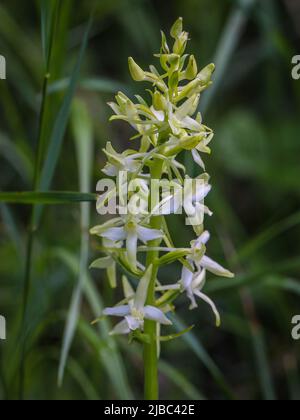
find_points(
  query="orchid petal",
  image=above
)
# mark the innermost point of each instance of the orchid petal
(155, 314)
(146, 235)
(115, 234)
(142, 290)
(123, 310)
(131, 246)
(186, 277)
(121, 328)
(134, 323)
(211, 304)
(198, 160)
(199, 280)
(215, 268)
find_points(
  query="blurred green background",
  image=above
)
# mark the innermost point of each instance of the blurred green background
(253, 108)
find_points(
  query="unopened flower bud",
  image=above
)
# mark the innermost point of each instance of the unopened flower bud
(177, 28)
(180, 44)
(205, 74)
(136, 72)
(159, 101)
(192, 69)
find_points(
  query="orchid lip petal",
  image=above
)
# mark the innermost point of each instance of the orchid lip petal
(131, 246)
(134, 323)
(155, 314)
(211, 304)
(118, 311)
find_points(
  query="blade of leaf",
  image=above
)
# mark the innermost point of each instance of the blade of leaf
(197, 348)
(53, 197)
(60, 125)
(110, 354)
(83, 135)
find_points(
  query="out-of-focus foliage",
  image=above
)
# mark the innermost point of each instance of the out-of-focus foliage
(254, 110)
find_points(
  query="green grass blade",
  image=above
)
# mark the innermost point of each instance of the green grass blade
(47, 198)
(60, 125)
(262, 364)
(267, 235)
(83, 135)
(180, 381)
(101, 85)
(193, 342)
(227, 46)
(109, 354)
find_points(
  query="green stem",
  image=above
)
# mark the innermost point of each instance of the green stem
(150, 350)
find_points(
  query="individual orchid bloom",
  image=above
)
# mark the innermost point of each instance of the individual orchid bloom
(196, 190)
(136, 311)
(131, 231)
(128, 161)
(198, 258)
(193, 284)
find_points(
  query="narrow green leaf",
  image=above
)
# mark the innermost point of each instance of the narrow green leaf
(83, 135)
(175, 336)
(198, 349)
(60, 125)
(262, 364)
(49, 198)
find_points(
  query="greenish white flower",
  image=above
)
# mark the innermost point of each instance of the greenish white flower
(193, 283)
(136, 311)
(131, 231)
(129, 161)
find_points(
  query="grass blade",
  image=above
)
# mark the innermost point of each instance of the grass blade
(109, 354)
(83, 134)
(204, 357)
(49, 198)
(262, 364)
(60, 125)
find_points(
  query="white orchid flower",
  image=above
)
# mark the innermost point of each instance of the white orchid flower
(192, 284)
(136, 311)
(131, 232)
(128, 161)
(201, 261)
(195, 192)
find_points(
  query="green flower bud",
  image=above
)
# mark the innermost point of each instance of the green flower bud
(192, 69)
(136, 72)
(180, 44)
(164, 45)
(177, 28)
(174, 61)
(159, 101)
(205, 74)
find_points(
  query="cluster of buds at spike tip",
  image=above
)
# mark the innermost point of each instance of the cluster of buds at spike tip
(166, 124)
